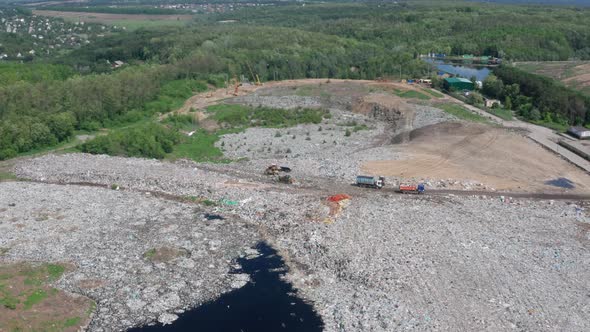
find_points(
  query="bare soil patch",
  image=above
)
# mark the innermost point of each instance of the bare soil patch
(492, 156)
(28, 303)
(164, 254)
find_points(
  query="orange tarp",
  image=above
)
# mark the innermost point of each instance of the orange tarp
(338, 198)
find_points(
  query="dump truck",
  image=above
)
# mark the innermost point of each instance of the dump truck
(376, 182)
(411, 188)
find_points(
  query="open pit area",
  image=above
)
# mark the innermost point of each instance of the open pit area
(145, 239)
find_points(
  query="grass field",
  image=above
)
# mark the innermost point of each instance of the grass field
(434, 93)
(28, 303)
(462, 113)
(413, 94)
(7, 176)
(129, 21)
(501, 113)
(200, 147)
(552, 125)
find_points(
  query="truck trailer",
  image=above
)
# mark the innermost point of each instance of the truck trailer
(376, 182)
(411, 188)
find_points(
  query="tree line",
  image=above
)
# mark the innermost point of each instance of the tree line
(538, 98)
(451, 27)
(36, 114)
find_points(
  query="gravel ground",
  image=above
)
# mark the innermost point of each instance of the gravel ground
(286, 102)
(393, 263)
(384, 262)
(114, 239)
(323, 150)
(387, 262)
(426, 116)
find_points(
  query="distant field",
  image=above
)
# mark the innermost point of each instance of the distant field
(575, 74)
(130, 21)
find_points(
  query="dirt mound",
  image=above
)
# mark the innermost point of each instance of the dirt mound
(387, 108)
(463, 151)
(427, 133)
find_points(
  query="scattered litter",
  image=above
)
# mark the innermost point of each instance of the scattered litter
(228, 202)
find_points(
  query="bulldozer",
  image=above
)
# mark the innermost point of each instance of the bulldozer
(272, 170)
(275, 170)
(286, 179)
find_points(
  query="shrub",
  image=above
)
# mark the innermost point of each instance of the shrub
(151, 141)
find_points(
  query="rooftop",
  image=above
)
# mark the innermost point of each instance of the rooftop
(457, 79)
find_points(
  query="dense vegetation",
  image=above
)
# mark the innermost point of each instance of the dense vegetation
(44, 114)
(150, 140)
(450, 27)
(12, 73)
(130, 10)
(45, 102)
(538, 98)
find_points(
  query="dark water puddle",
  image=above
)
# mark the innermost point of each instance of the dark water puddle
(561, 183)
(210, 216)
(266, 303)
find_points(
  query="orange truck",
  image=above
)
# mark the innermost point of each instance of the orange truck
(411, 188)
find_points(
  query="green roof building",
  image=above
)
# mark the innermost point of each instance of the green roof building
(457, 83)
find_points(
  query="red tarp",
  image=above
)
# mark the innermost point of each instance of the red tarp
(338, 198)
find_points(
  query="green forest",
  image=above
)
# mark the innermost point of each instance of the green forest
(44, 101)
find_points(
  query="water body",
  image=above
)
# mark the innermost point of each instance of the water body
(265, 304)
(460, 69)
(561, 183)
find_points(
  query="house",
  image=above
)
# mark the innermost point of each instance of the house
(488, 102)
(579, 132)
(117, 64)
(425, 81)
(458, 83)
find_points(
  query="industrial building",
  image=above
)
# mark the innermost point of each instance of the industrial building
(579, 132)
(457, 83)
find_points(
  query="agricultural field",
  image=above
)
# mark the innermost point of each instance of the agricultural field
(574, 74)
(127, 21)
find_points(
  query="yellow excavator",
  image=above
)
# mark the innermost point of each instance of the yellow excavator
(255, 77)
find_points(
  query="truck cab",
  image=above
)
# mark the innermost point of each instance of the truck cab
(380, 182)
